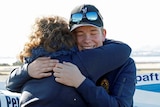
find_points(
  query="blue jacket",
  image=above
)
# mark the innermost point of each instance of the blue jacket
(88, 94)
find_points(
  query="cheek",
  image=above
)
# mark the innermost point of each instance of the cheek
(103, 38)
(99, 41)
(78, 41)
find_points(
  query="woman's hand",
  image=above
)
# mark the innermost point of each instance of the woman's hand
(41, 67)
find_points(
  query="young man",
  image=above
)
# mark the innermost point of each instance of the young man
(119, 85)
(114, 89)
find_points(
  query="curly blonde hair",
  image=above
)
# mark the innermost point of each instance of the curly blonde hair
(52, 33)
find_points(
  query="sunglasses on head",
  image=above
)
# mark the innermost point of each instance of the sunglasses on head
(91, 16)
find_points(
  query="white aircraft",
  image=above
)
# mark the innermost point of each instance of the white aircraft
(147, 92)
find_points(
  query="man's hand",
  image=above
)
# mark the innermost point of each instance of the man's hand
(41, 67)
(68, 74)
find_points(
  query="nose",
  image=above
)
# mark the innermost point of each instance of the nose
(87, 38)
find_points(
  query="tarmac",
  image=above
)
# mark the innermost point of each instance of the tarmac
(4, 73)
(3, 78)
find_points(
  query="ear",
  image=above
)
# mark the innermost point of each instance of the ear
(104, 33)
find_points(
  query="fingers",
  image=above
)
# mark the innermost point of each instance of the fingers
(57, 74)
(41, 67)
(68, 74)
(59, 80)
(59, 65)
(63, 65)
(46, 64)
(42, 75)
(68, 63)
(60, 77)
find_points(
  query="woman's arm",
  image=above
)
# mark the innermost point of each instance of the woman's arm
(17, 78)
(39, 68)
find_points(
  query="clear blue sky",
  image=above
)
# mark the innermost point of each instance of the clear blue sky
(135, 22)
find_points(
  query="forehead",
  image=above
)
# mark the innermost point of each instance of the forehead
(87, 28)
